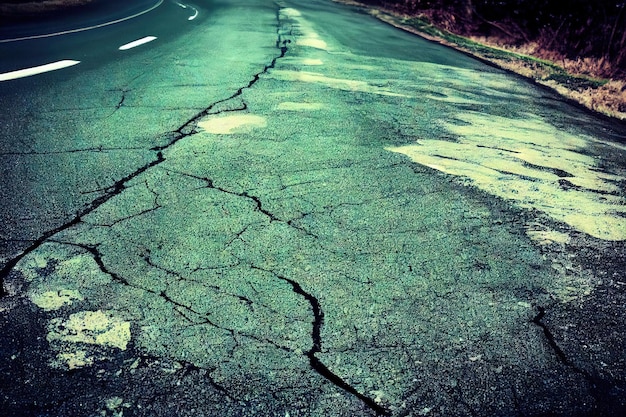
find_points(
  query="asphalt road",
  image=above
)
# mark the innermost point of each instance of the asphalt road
(20, 20)
(295, 210)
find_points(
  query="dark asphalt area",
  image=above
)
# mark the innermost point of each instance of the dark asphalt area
(21, 23)
(327, 275)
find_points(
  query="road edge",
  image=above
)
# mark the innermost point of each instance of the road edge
(563, 89)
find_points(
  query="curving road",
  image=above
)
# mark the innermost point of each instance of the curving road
(22, 24)
(90, 35)
(295, 210)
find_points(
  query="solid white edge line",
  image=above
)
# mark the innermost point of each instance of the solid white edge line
(27, 72)
(48, 35)
(137, 43)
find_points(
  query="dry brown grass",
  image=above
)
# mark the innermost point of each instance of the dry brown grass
(592, 67)
(607, 97)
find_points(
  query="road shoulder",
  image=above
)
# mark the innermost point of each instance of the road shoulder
(602, 96)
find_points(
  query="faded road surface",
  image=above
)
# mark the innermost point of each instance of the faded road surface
(295, 210)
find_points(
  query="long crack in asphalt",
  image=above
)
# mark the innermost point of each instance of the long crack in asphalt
(195, 317)
(596, 383)
(185, 130)
(316, 363)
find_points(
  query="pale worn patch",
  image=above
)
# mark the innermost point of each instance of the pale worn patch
(91, 327)
(64, 267)
(32, 264)
(229, 125)
(535, 165)
(312, 42)
(293, 106)
(54, 300)
(302, 61)
(74, 360)
(305, 35)
(288, 12)
(311, 62)
(548, 237)
(337, 83)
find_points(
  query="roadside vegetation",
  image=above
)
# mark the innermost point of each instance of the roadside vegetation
(16, 10)
(578, 48)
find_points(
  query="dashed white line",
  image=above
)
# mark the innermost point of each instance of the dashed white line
(27, 72)
(184, 6)
(136, 43)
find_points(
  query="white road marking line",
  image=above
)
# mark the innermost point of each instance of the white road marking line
(184, 6)
(136, 43)
(48, 35)
(27, 72)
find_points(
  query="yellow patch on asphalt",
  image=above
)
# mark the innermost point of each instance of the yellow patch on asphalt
(90, 327)
(304, 34)
(75, 360)
(336, 83)
(302, 61)
(312, 41)
(534, 164)
(547, 237)
(228, 125)
(54, 300)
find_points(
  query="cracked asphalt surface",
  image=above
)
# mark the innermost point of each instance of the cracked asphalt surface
(257, 224)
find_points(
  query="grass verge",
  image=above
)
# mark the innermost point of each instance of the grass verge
(568, 78)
